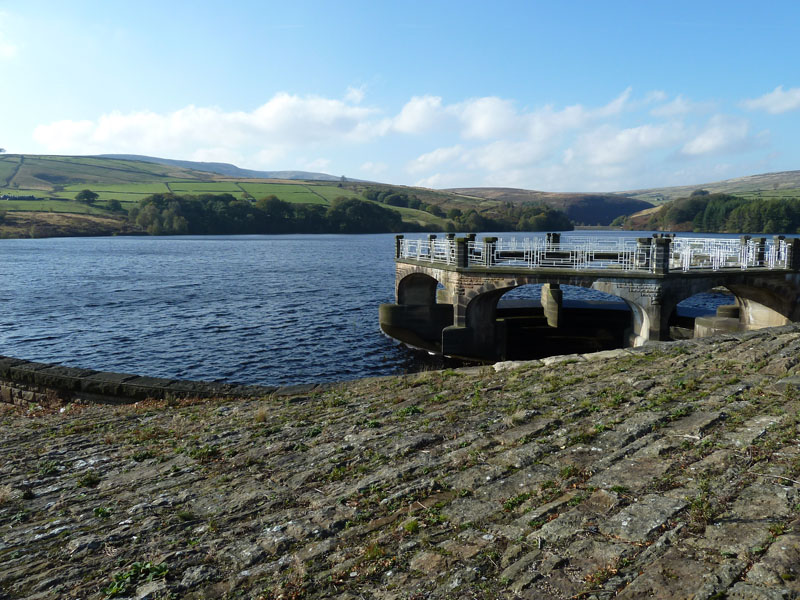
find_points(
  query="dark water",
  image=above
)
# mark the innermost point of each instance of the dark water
(249, 309)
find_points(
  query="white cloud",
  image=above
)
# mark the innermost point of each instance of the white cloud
(320, 164)
(489, 140)
(507, 154)
(486, 118)
(777, 101)
(374, 168)
(444, 180)
(434, 159)
(284, 121)
(616, 106)
(721, 134)
(419, 115)
(655, 96)
(355, 95)
(680, 106)
(609, 146)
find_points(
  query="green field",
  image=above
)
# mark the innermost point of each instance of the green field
(296, 193)
(216, 187)
(7, 168)
(63, 206)
(420, 216)
(132, 188)
(770, 194)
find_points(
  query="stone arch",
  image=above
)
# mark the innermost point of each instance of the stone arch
(762, 306)
(417, 289)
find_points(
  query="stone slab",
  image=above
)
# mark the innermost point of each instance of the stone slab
(636, 522)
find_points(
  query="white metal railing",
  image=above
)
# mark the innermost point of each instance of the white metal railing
(615, 253)
(713, 253)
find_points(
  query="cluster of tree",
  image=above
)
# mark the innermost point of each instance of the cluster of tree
(529, 216)
(725, 213)
(392, 197)
(164, 214)
(87, 196)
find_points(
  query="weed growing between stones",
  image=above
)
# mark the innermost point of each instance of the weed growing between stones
(137, 573)
(89, 479)
(6, 494)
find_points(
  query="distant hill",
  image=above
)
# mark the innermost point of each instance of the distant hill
(31, 183)
(227, 169)
(585, 209)
(763, 186)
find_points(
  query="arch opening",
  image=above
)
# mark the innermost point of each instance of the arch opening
(417, 319)
(727, 309)
(715, 307)
(536, 320)
(417, 289)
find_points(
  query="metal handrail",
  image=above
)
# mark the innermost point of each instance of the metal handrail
(618, 253)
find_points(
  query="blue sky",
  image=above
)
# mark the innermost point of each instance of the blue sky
(556, 96)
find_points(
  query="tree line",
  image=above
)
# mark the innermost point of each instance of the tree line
(174, 214)
(725, 213)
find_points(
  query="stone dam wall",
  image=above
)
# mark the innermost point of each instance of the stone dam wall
(665, 471)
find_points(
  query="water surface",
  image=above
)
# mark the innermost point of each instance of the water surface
(250, 309)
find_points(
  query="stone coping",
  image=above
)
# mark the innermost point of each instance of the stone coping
(119, 388)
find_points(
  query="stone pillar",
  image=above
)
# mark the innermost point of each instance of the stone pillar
(793, 254)
(431, 245)
(761, 246)
(398, 241)
(553, 239)
(662, 255)
(650, 303)
(488, 250)
(552, 297)
(462, 253)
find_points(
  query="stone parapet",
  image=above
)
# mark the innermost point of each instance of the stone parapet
(24, 383)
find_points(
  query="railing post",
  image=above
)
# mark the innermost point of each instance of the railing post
(743, 250)
(462, 252)
(488, 250)
(398, 244)
(661, 258)
(777, 258)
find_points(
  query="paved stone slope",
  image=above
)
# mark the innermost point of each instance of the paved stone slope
(670, 471)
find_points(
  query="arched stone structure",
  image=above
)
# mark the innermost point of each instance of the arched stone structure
(460, 319)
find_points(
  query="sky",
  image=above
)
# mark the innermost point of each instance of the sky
(553, 96)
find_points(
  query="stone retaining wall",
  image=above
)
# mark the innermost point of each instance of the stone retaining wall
(24, 383)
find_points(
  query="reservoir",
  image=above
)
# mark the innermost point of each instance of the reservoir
(269, 310)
